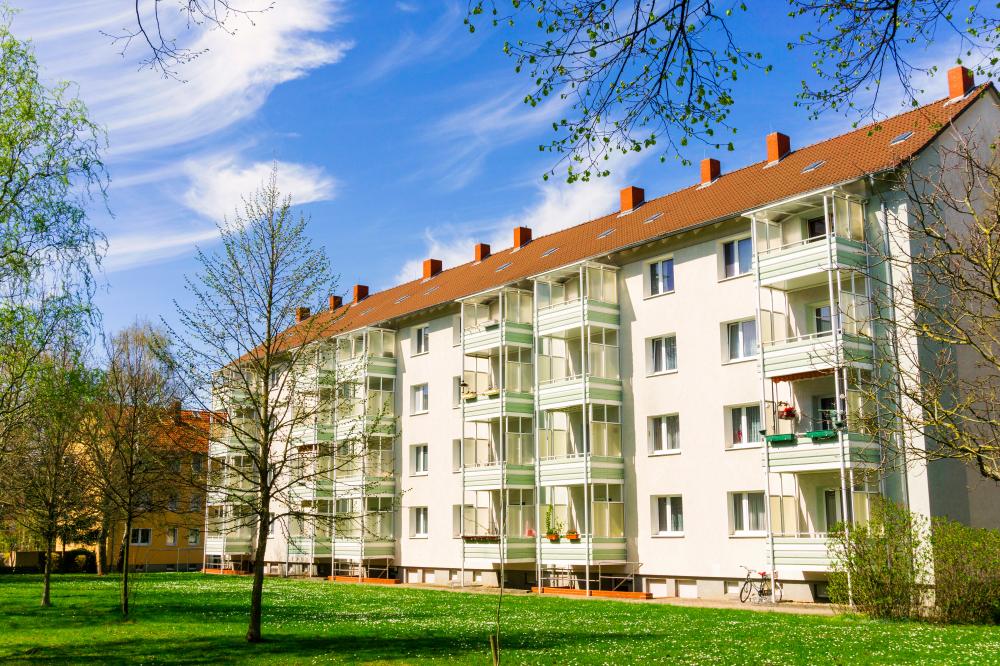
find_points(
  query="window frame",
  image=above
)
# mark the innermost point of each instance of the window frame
(170, 536)
(141, 530)
(727, 347)
(415, 522)
(730, 434)
(735, 242)
(651, 428)
(421, 340)
(648, 278)
(423, 390)
(651, 356)
(419, 453)
(745, 532)
(657, 516)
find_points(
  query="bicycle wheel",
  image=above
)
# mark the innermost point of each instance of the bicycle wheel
(745, 591)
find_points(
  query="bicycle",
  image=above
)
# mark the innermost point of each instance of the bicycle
(761, 586)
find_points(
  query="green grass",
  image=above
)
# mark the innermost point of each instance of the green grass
(194, 618)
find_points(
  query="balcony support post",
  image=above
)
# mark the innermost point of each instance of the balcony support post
(585, 365)
(535, 438)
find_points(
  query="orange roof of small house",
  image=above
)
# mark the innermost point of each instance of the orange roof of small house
(863, 151)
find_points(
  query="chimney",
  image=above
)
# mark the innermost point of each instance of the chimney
(710, 170)
(431, 268)
(522, 236)
(960, 82)
(175, 408)
(632, 197)
(482, 251)
(360, 292)
(778, 145)
(301, 314)
(336, 302)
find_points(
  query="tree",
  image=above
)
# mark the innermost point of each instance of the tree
(126, 449)
(48, 494)
(251, 342)
(49, 166)
(645, 75)
(938, 378)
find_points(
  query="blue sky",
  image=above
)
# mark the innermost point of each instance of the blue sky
(402, 135)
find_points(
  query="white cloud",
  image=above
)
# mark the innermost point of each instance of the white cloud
(218, 183)
(408, 7)
(412, 48)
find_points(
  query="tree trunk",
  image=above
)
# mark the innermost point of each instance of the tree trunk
(257, 595)
(126, 547)
(47, 580)
(102, 552)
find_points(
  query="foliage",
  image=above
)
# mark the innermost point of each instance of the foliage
(966, 573)
(879, 567)
(632, 75)
(187, 618)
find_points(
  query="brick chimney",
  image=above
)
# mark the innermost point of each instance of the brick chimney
(778, 145)
(482, 251)
(301, 314)
(960, 82)
(431, 268)
(522, 236)
(710, 170)
(336, 302)
(360, 292)
(632, 197)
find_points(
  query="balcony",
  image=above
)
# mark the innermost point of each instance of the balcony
(804, 263)
(485, 550)
(233, 544)
(313, 489)
(573, 391)
(806, 553)
(489, 406)
(354, 549)
(820, 451)
(305, 548)
(601, 550)
(559, 317)
(571, 471)
(813, 353)
(479, 340)
(497, 476)
(354, 368)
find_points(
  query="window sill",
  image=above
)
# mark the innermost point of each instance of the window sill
(748, 535)
(423, 353)
(419, 413)
(668, 535)
(737, 361)
(418, 536)
(661, 373)
(741, 447)
(749, 273)
(648, 297)
(419, 474)
(668, 452)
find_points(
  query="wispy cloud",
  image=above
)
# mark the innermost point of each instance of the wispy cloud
(412, 47)
(408, 7)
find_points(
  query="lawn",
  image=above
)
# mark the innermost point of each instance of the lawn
(195, 618)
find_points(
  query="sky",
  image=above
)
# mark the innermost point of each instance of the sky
(400, 134)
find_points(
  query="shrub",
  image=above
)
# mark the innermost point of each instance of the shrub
(966, 573)
(880, 565)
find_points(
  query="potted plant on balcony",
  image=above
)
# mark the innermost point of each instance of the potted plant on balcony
(552, 528)
(492, 392)
(573, 535)
(786, 411)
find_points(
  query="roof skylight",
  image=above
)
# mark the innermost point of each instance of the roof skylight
(900, 138)
(502, 266)
(549, 251)
(815, 165)
(653, 218)
(606, 233)
(432, 289)
(401, 298)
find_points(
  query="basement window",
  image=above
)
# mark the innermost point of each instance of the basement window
(653, 218)
(502, 266)
(900, 138)
(549, 251)
(815, 165)
(605, 234)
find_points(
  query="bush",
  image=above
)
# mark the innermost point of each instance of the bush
(884, 561)
(966, 573)
(79, 560)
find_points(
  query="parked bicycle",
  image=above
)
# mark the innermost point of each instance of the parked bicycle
(761, 587)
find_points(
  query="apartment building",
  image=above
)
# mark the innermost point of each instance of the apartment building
(650, 400)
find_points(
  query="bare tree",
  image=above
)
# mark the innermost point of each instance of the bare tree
(255, 358)
(126, 448)
(48, 494)
(940, 360)
(656, 75)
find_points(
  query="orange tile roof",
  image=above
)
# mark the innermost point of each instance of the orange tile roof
(846, 157)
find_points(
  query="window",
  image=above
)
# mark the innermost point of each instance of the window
(661, 276)
(456, 391)
(742, 339)
(456, 455)
(737, 257)
(747, 513)
(744, 424)
(664, 433)
(420, 459)
(194, 537)
(457, 513)
(900, 138)
(816, 227)
(826, 412)
(418, 399)
(171, 536)
(662, 354)
(418, 527)
(197, 461)
(822, 319)
(669, 515)
(609, 511)
(605, 430)
(421, 340)
(456, 330)
(815, 165)
(172, 502)
(194, 504)
(140, 536)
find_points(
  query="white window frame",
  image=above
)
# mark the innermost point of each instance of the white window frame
(141, 531)
(729, 358)
(456, 456)
(648, 278)
(417, 523)
(744, 503)
(456, 330)
(652, 427)
(419, 454)
(194, 536)
(421, 340)
(456, 391)
(735, 241)
(422, 390)
(669, 505)
(651, 356)
(171, 536)
(754, 443)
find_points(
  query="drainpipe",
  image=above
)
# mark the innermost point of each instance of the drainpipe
(536, 430)
(461, 446)
(588, 454)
